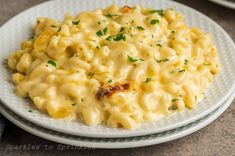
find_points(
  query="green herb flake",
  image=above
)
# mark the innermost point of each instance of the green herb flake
(59, 29)
(185, 62)
(31, 38)
(99, 22)
(174, 107)
(182, 70)
(160, 12)
(102, 33)
(148, 80)
(173, 100)
(166, 59)
(132, 59)
(97, 47)
(53, 26)
(157, 60)
(110, 81)
(161, 60)
(122, 29)
(99, 33)
(119, 37)
(109, 38)
(142, 59)
(158, 44)
(76, 22)
(90, 74)
(52, 63)
(111, 15)
(105, 30)
(154, 21)
(30, 110)
(195, 97)
(140, 28)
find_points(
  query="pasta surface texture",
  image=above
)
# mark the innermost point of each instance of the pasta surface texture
(119, 66)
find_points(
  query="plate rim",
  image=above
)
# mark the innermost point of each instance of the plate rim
(125, 133)
(226, 4)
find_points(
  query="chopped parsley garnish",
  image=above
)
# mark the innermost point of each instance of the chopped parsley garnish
(105, 30)
(173, 100)
(122, 29)
(160, 12)
(157, 60)
(158, 44)
(174, 107)
(185, 62)
(97, 47)
(140, 28)
(90, 74)
(148, 79)
(109, 38)
(73, 104)
(59, 29)
(110, 81)
(142, 59)
(154, 21)
(111, 15)
(119, 37)
(30, 110)
(182, 70)
(52, 63)
(102, 33)
(132, 59)
(195, 97)
(99, 33)
(53, 26)
(161, 60)
(76, 22)
(31, 38)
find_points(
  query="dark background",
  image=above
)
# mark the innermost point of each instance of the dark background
(217, 139)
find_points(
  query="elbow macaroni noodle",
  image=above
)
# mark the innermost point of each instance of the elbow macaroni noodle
(116, 66)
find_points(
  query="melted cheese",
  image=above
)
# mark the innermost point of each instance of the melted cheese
(76, 68)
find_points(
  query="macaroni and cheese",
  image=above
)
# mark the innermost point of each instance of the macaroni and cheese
(116, 66)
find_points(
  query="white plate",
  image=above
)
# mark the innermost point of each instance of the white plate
(18, 29)
(118, 142)
(226, 3)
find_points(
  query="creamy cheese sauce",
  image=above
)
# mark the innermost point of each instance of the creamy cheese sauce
(116, 66)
